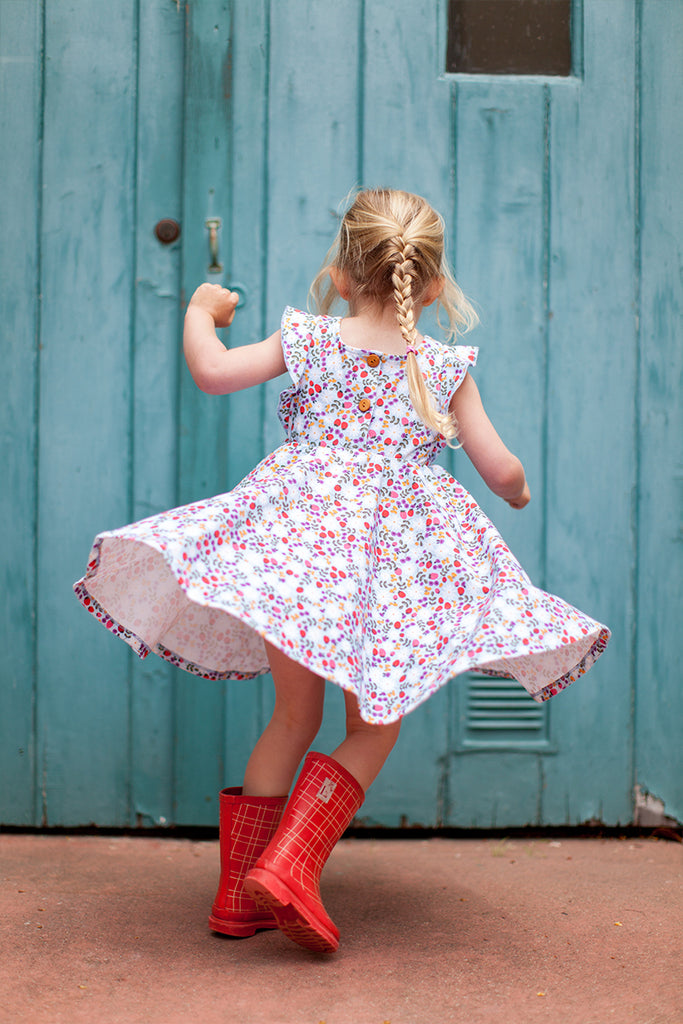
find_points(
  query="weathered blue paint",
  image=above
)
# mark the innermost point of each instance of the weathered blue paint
(565, 220)
(657, 505)
(20, 139)
(85, 386)
(204, 438)
(591, 460)
(156, 366)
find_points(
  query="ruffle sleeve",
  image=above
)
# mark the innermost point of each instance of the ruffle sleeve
(298, 331)
(457, 360)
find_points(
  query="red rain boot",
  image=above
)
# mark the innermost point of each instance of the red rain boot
(286, 878)
(247, 824)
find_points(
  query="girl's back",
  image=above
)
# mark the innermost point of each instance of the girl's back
(357, 398)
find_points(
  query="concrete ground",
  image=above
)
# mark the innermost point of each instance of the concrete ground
(584, 931)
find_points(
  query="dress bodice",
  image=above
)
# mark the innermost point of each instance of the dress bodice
(352, 398)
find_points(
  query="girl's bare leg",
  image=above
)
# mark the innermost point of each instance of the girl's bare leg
(366, 746)
(299, 696)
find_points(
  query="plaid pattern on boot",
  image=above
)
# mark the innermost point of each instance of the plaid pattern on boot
(247, 824)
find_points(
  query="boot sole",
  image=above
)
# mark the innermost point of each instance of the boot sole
(293, 918)
(241, 929)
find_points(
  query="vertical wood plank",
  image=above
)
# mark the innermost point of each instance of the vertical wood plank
(501, 232)
(156, 360)
(591, 452)
(20, 131)
(247, 236)
(246, 243)
(659, 699)
(203, 442)
(501, 245)
(89, 155)
(406, 144)
(207, 191)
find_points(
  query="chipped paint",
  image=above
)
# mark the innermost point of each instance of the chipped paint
(649, 810)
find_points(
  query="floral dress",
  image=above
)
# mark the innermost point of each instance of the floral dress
(346, 548)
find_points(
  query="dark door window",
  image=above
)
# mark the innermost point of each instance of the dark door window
(509, 37)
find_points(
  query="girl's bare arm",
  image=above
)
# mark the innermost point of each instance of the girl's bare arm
(500, 470)
(214, 368)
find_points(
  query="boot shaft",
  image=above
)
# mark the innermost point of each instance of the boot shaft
(322, 805)
(247, 824)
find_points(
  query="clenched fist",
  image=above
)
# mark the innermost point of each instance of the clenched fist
(220, 303)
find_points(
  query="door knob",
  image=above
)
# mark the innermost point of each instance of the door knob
(167, 231)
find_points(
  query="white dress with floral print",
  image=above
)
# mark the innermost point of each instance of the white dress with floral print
(346, 548)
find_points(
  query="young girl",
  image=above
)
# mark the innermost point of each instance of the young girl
(345, 555)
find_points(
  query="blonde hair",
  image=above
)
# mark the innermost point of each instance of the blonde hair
(391, 246)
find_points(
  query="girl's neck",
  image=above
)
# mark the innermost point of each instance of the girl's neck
(375, 326)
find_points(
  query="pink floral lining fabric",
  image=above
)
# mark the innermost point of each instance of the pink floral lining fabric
(346, 548)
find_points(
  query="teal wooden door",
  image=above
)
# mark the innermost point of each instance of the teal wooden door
(563, 212)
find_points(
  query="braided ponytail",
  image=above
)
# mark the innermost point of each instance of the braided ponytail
(402, 281)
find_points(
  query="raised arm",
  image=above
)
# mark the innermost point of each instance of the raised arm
(214, 368)
(500, 470)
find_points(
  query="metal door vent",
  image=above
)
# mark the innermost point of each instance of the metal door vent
(499, 714)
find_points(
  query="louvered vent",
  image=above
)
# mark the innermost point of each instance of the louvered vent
(499, 713)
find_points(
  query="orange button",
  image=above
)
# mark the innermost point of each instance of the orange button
(372, 360)
(364, 404)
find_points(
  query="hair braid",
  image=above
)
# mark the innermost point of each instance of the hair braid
(402, 281)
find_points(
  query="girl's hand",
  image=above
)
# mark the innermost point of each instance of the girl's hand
(219, 303)
(523, 499)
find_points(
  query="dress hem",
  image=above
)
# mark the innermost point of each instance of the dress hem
(143, 649)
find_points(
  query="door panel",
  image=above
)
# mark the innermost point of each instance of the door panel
(560, 202)
(85, 388)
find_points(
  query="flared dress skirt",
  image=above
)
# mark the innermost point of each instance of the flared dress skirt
(347, 548)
